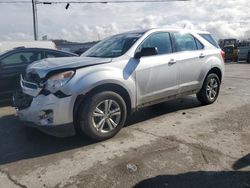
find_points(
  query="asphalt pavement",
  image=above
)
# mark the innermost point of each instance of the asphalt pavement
(178, 143)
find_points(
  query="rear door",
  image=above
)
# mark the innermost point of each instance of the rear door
(11, 66)
(191, 58)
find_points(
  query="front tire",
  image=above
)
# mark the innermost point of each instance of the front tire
(102, 115)
(210, 90)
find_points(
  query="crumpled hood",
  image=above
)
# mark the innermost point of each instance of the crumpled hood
(45, 66)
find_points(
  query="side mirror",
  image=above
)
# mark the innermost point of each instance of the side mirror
(150, 51)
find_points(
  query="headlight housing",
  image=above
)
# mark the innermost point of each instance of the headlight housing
(55, 82)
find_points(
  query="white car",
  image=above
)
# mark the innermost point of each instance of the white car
(94, 93)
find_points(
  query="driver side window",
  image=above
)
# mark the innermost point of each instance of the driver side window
(160, 40)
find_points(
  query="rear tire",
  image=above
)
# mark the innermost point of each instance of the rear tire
(210, 90)
(102, 115)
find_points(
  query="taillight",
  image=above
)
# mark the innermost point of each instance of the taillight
(222, 53)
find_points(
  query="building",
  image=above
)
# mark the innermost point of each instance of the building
(74, 47)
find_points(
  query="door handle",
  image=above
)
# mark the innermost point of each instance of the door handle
(202, 55)
(172, 61)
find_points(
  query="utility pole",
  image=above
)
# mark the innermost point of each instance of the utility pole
(35, 26)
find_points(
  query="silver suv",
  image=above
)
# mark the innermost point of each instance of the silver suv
(94, 93)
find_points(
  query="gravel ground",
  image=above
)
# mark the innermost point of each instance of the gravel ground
(175, 144)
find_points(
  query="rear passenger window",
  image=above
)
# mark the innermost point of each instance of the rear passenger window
(200, 46)
(160, 40)
(210, 39)
(184, 42)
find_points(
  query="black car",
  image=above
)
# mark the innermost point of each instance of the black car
(14, 62)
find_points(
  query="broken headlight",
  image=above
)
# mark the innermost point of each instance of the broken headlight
(55, 82)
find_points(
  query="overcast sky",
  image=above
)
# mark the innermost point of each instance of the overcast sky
(84, 22)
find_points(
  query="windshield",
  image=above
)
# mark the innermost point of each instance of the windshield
(229, 49)
(114, 46)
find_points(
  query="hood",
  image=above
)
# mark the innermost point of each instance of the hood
(45, 66)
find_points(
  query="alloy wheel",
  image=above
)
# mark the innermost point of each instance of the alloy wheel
(212, 89)
(106, 116)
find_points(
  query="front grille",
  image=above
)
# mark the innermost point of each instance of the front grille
(32, 77)
(30, 85)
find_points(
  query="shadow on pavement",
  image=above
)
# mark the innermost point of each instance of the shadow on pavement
(18, 142)
(242, 163)
(163, 108)
(223, 179)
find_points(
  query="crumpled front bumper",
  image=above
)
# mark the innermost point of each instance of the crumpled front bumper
(59, 120)
(60, 110)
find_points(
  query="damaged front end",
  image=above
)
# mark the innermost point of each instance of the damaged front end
(42, 104)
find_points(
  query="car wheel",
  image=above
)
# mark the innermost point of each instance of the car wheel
(248, 59)
(102, 115)
(210, 90)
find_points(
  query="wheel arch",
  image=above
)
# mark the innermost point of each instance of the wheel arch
(122, 91)
(216, 71)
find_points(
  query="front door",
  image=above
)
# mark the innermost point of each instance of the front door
(11, 67)
(156, 76)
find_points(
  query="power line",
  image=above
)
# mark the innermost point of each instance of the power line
(111, 1)
(106, 2)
